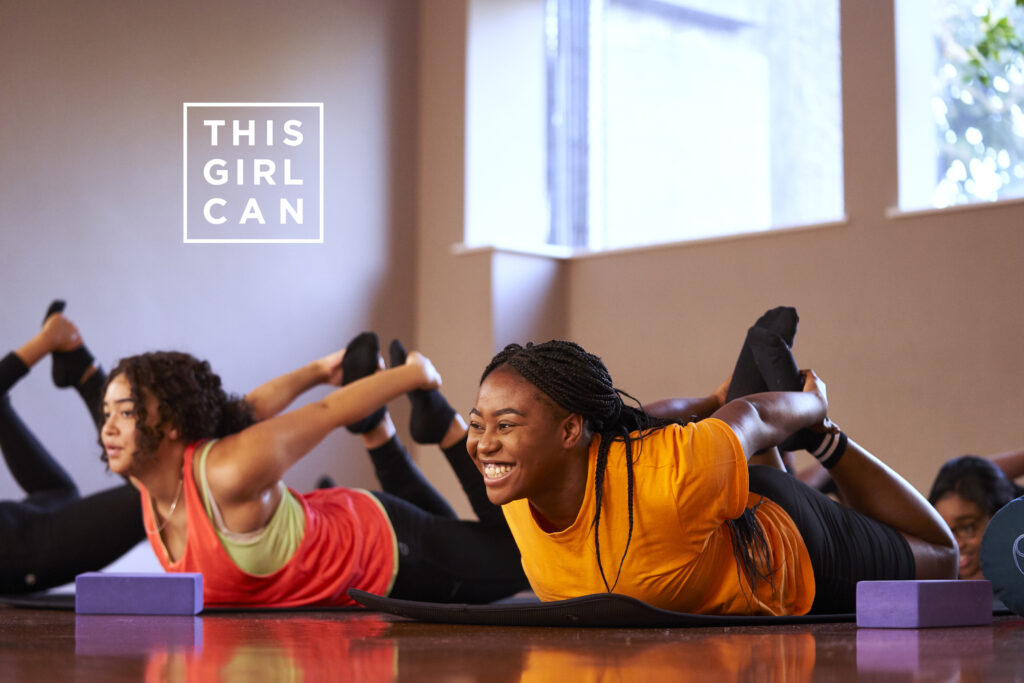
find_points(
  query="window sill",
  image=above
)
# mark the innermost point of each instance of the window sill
(545, 250)
(896, 212)
(568, 254)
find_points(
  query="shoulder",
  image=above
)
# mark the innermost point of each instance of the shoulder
(216, 461)
(706, 431)
(692, 445)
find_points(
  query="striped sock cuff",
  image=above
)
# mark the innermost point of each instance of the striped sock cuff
(831, 449)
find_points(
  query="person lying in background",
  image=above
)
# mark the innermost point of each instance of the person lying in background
(54, 533)
(967, 491)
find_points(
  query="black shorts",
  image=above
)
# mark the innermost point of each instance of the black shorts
(845, 546)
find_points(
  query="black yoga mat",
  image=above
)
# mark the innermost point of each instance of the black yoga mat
(608, 610)
(66, 601)
(40, 600)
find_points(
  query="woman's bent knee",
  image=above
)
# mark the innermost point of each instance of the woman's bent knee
(934, 561)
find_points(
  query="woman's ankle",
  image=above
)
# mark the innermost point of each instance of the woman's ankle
(34, 350)
(456, 432)
(380, 434)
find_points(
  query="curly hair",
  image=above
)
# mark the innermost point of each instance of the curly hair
(189, 398)
(975, 479)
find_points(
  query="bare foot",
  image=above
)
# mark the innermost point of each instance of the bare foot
(72, 363)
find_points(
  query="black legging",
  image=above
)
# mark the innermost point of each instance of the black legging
(54, 534)
(845, 546)
(440, 557)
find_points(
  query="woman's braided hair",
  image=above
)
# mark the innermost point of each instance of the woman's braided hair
(189, 397)
(580, 383)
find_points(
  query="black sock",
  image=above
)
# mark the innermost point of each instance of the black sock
(68, 366)
(765, 362)
(774, 360)
(360, 361)
(746, 379)
(782, 320)
(803, 440)
(831, 449)
(431, 414)
(778, 369)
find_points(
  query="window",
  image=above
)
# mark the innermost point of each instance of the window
(961, 91)
(681, 119)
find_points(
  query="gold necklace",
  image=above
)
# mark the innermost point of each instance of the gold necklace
(174, 505)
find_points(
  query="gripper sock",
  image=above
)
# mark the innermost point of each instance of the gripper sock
(68, 366)
(431, 414)
(360, 361)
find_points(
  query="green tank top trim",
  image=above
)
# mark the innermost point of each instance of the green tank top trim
(265, 550)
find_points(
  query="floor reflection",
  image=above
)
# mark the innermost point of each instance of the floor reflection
(941, 653)
(559, 655)
(347, 646)
(258, 646)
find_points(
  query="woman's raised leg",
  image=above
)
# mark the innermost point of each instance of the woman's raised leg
(870, 487)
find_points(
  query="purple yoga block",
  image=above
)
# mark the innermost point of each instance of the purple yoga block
(922, 604)
(100, 593)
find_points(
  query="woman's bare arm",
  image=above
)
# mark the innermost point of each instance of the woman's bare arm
(241, 467)
(270, 398)
(1010, 462)
(689, 408)
(764, 420)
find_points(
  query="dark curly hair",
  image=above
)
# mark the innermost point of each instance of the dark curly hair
(580, 383)
(189, 398)
(975, 479)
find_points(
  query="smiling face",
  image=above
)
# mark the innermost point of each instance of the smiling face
(968, 522)
(519, 440)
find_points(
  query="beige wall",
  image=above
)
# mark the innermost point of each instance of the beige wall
(913, 321)
(90, 193)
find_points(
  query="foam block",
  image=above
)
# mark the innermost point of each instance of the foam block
(923, 604)
(121, 634)
(100, 593)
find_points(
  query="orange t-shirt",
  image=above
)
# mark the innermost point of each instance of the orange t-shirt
(689, 480)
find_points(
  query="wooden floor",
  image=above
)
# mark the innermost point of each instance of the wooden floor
(56, 646)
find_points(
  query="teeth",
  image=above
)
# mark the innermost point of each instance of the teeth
(496, 471)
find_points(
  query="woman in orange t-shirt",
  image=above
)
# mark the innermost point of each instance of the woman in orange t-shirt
(681, 521)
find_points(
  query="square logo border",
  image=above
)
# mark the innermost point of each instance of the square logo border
(184, 175)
